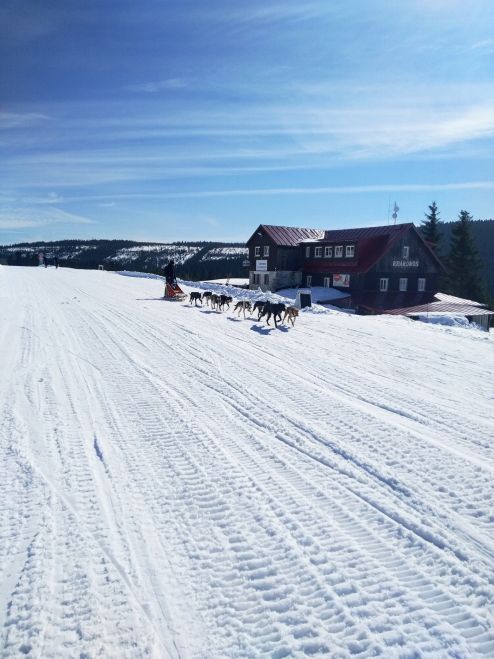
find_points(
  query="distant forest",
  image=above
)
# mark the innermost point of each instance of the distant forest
(191, 258)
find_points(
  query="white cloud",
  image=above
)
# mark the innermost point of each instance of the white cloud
(157, 86)
(328, 190)
(29, 217)
(10, 120)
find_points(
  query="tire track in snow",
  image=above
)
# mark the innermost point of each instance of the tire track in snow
(442, 599)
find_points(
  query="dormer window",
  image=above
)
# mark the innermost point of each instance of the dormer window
(338, 251)
(266, 250)
(328, 252)
(406, 251)
(318, 252)
(350, 251)
(307, 252)
(257, 251)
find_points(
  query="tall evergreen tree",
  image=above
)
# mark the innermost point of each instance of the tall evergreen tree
(430, 226)
(463, 262)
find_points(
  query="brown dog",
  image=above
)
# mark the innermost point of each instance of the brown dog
(291, 313)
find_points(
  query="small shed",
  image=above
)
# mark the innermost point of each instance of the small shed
(304, 298)
(449, 305)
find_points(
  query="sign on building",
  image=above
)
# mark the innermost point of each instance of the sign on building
(341, 280)
(261, 265)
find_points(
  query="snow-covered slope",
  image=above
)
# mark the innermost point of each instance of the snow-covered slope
(177, 482)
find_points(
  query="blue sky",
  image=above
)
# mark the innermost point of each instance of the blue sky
(186, 120)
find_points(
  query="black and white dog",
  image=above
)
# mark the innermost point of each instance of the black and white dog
(258, 307)
(243, 305)
(195, 297)
(225, 300)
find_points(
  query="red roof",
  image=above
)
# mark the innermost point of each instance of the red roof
(412, 303)
(382, 302)
(291, 236)
(443, 303)
(390, 231)
(370, 250)
(373, 243)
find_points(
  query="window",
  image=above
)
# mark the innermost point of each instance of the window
(338, 251)
(406, 251)
(318, 252)
(308, 280)
(403, 284)
(421, 284)
(328, 252)
(383, 284)
(266, 280)
(307, 252)
(326, 282)
(257, 279)
(350, 251)
(257, 251)
(266, 250)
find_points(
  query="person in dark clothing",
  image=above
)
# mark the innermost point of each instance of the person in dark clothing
(55, 261)
(170, 272)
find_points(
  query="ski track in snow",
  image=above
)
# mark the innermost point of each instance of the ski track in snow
(176, 482)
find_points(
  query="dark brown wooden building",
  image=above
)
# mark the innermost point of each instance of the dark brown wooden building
(379, 267)
(275, 256)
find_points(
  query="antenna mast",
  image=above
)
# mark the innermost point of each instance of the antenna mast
(395, 212)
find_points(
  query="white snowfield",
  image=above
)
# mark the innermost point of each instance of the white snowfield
(177, 482)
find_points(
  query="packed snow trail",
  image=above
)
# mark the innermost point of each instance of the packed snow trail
(177, 482)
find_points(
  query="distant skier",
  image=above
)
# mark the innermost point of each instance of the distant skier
(55, 261)
(46, 261)
(169, 272)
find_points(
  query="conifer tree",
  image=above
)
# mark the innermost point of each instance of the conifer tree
(430, 226)
(463, 262)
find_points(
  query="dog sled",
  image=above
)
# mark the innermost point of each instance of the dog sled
(173, 292)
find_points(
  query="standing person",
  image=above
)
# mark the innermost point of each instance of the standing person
(170, 273)
(55, 261)
(46, 261)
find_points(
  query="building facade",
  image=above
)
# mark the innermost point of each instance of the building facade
(379, 267)
(274, 256)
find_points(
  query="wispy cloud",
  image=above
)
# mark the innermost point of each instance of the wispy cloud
(252, 140)
(10, 120)
(291, 191)
(29, 218)
(157, 86)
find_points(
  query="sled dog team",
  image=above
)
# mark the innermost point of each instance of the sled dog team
(263, 308)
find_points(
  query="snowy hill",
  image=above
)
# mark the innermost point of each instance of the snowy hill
(179, 482)
(195, 260)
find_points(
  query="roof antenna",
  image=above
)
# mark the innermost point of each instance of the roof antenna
(395, 212)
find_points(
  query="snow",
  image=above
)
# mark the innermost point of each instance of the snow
(318, 293)
(450, 319)
(179, 253)
(234, 281)
(180, 482)
(222, 253)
